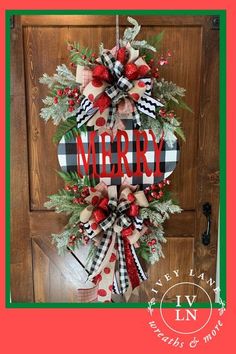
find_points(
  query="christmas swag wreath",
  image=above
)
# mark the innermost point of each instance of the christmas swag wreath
(117, 145)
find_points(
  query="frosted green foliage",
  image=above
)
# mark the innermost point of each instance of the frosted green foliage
(168, 90)
(63, 77)
(57, 112)
(131, 32)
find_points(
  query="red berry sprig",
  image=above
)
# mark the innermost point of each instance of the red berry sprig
(72, 94)
(72, 240)
(166, 114)
(155, 191)
(80, 193)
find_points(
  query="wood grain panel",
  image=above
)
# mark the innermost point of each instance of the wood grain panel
(21, 263)
(109, 20)
(49, 283)
(207, 189)
(43, 52)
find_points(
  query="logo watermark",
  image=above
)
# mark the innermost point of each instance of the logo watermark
(184, 323)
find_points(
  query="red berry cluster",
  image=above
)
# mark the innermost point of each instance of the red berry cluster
(72, 240)
(80, 193)
(154, 68)
(164, 59)
(72, 94)
(164, 114)
(155, 62)
(155, 191)
(151, 244)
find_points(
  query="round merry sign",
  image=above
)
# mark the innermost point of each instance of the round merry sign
(133, 155)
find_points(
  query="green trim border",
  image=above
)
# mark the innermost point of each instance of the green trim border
(222, 241)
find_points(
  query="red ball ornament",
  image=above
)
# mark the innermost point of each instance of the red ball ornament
(122, 55)
(85, 192)
(75, 188)
(155, 195)
(133, 210)
(81, 200)
(143, 70)
(131, 71)
(127, 232)
(99, 215)
(103, 204)
(59, 92)
(102, 102)
(153, 241)
(55, 100)
(153, 187)
(71, 102)
(153, 250)
(101, 72)
(131, 197)
(70, 109)
(68, 188)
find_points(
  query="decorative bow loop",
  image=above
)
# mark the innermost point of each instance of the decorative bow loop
(100, 94)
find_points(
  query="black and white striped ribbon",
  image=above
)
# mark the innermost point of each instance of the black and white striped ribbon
(147, 105)
(123, 273)
(85, 112)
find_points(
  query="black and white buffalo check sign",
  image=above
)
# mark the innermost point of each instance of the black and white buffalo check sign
(133, 155)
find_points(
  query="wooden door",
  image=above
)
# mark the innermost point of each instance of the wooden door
(38, 45)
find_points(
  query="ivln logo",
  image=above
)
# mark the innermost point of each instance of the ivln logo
(189, 314)
(186, 319)
(184, 315)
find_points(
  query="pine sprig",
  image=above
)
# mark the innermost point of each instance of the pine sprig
(61, 79)
(157, 212)
(168, 91)
(72, 178)
(81, 55)
(154, 41)
(62, 239)
(68, 130)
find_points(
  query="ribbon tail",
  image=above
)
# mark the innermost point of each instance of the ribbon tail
(88, 295)
(123, 274)
(136, 117)
(85, 112)
(147, 105)
(141, 274)
(111, 117)
(100, 254)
